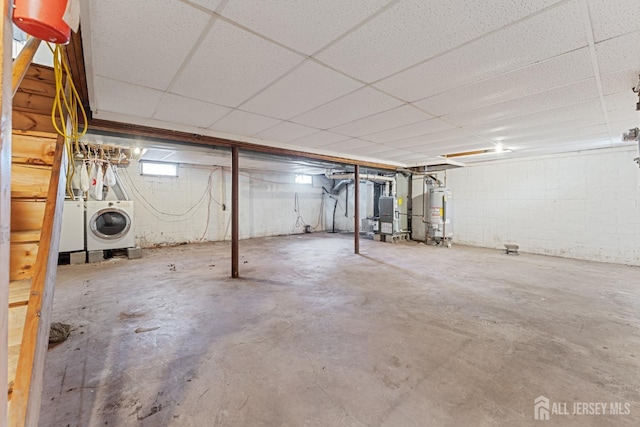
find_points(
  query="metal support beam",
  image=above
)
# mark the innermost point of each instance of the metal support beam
(234, 214)
(5, 196)
(356, 210)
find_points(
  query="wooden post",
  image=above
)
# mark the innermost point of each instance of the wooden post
(5, 197)
(27, 389)
(356, 210)
(22, 63)
(234, 213)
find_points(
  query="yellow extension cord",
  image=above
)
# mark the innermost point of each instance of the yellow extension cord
(61, 102)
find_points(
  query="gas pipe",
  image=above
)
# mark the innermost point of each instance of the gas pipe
(42, 19)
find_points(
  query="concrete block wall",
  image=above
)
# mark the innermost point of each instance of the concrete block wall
(345, 210)
(173, 210)
(582, 205)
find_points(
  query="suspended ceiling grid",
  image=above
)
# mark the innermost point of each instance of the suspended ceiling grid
(398, 81)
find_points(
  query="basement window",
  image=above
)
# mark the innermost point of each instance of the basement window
(159, 169)
(303, 179)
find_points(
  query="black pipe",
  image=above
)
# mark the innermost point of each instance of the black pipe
(333, 227)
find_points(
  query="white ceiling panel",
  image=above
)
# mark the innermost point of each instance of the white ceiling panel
(422, 140)
(351, 145)
(504, 136)
(303, 25)
(243, 123)
(211, 5)
(566, 95)
(293, 72)
(452, 147)
(362, 103)
(125, 98)
(620, 53)
(414, 30)
(413, 130)
(613, 18)
(553, 32)
(305, 88)
(595, 140)
(624, 102)
(395, 153)
(319, 139)
(285, 132)
(231, 65)
(589, 109)
(555, 72)
(123, 52)
(403, 115)
(358, 146)
(178, 109)
(561, 135)
(620, 81)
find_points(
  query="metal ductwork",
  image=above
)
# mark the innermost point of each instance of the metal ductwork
(364, 177)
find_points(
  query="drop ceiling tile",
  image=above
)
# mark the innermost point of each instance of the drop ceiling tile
(558, 71)
(350, 145)
(578, 143)
(446, 135)
(613, 18)
(122, 50)
(563, 96)
(505, 136)
(285, 132)
(403, 115)
(451, 146)
(618, 54)
(422, 128)
(364, 148)
(567, 134)
(211, 5)
(319, 139)
(553, 32)
(303, 25)
(305, 88)
(231, 65)
(414, 30)
(354, 106)
(186, 111)
(587, 109)
(621, 106)
(243, 123)
(124, 98)
(392, 154)
(620, 81)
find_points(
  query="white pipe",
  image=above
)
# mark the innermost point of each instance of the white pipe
(365, 177)
(386, 189)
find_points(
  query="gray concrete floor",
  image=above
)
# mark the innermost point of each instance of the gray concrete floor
(313, 335)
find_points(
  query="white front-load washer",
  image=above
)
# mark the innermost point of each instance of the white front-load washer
(109, 225)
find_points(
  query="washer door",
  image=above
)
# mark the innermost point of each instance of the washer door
(110, 223)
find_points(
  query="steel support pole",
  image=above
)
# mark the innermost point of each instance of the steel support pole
(234, 214)
(356, 210)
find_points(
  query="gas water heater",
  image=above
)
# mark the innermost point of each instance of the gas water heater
(440, 215)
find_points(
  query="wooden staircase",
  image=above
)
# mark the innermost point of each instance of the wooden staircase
(37, 194)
